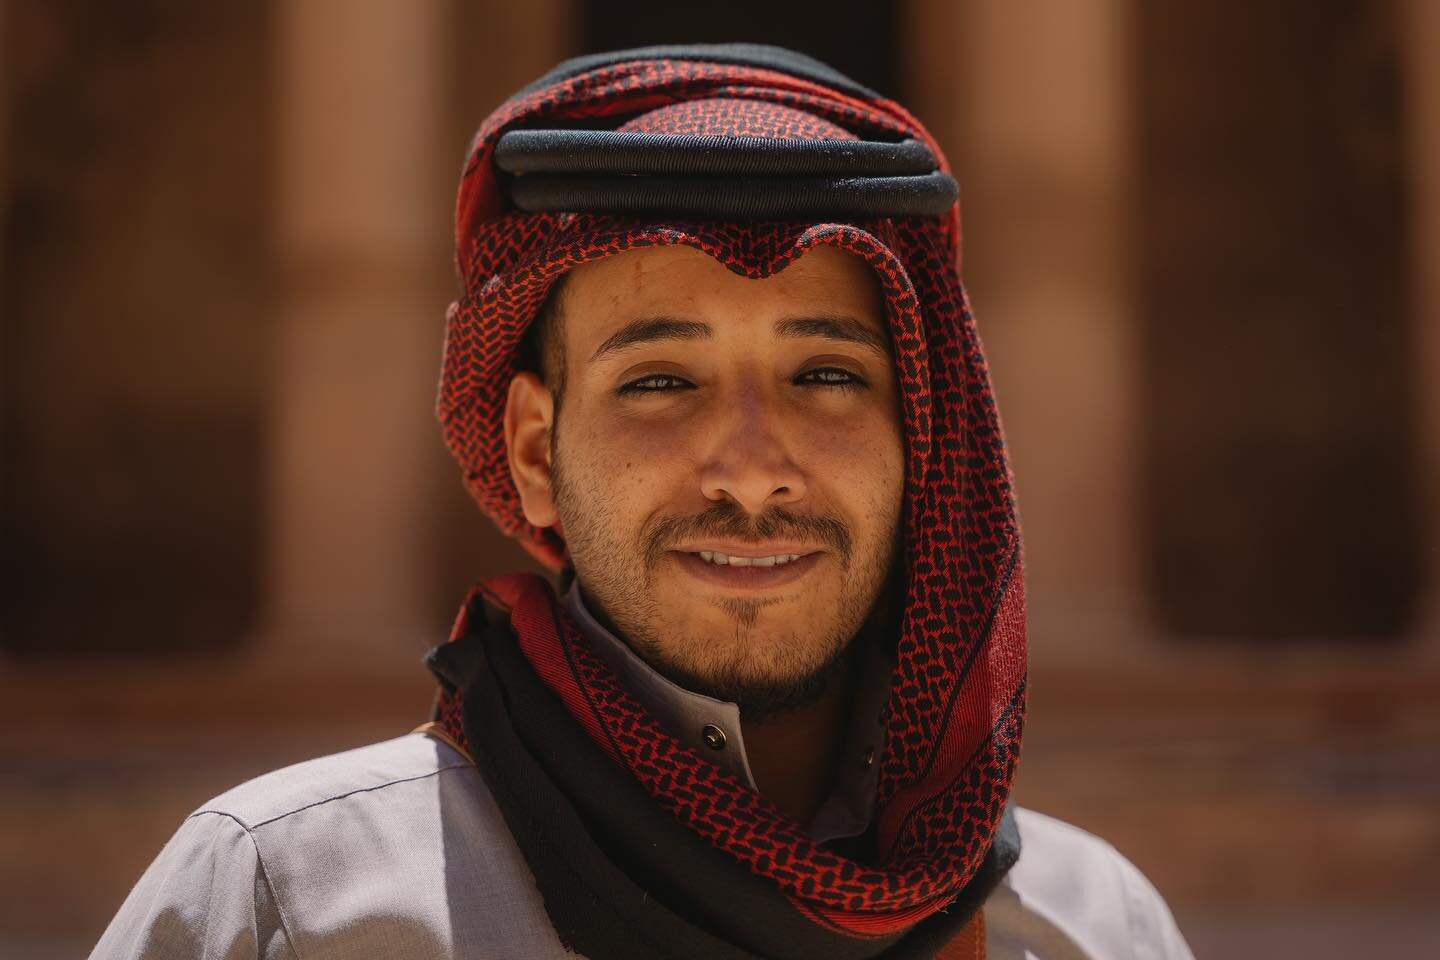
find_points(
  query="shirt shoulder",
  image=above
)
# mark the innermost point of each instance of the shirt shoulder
(1073, 895)
(205, 894)
(392, 850)
(289, 790)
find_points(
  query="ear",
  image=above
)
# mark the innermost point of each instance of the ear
(529, 418)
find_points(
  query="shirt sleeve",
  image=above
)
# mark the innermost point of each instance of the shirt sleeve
(1153, 930)
(205, 896)
(1073, 896)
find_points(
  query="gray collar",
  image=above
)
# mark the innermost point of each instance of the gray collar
(712, 727)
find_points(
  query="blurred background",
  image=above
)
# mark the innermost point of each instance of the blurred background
(1203, 241)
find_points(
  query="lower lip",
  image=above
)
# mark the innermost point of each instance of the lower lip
(750, 577)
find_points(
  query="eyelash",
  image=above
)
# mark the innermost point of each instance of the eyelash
(853, 382)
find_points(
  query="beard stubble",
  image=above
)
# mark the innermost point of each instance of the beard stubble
(765, 673)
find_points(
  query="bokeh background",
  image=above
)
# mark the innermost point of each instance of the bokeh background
(1203, 241)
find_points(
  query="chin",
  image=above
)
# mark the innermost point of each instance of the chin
(767, 674)
(723, 650)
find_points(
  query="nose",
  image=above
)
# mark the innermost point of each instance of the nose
(749, 460)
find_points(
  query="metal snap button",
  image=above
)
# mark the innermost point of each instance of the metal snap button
(714, 737)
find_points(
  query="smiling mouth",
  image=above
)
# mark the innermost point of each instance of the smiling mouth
(726, 560)
(752, 573)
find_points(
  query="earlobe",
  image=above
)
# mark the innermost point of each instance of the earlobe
(529, 418)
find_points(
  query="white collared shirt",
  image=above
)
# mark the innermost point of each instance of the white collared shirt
(397, 851)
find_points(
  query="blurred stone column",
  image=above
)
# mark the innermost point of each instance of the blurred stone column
(5, 189)
(1034, 106)
(363, 255)
(1421, 31)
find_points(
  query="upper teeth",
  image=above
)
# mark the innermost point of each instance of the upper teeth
(713, 556)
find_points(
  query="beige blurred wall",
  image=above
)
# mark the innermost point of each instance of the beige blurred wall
(367, 155)
(1282, 795)
(1422, 30)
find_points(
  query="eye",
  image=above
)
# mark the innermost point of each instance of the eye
(832, 377)
(654, 383)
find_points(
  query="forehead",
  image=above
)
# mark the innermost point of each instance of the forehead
(681, 282)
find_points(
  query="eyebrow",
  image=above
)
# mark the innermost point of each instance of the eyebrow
(651, 330)
(844, 329)
(659, 329)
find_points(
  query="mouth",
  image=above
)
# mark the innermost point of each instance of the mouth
(749, 570)
(736, 560)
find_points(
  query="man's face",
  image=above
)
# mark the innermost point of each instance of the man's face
(727, 463)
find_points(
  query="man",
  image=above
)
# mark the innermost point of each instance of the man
(712, 364)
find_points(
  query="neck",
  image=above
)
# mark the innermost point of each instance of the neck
(793, 756)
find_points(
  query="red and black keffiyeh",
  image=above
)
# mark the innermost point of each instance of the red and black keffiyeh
(640, 846)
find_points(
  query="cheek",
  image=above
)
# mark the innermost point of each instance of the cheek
(634, 444)
(631, 467)
(860, 458)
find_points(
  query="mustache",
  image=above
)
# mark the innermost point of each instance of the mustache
(729, 520)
